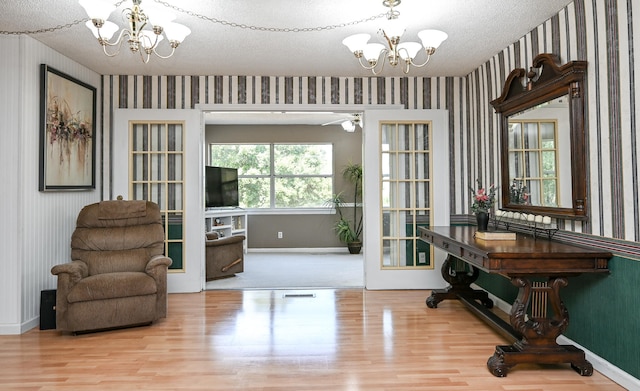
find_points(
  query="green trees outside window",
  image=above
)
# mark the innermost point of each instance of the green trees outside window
(279, 175)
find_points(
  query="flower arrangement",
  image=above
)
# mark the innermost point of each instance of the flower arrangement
(483, 200)
(518, 193)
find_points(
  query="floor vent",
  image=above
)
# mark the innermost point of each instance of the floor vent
(288, 295)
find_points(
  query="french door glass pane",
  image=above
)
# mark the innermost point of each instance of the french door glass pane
(174, 168)
(422, 196)
(157, 175)
(175, 192)
(174, 138)
(158, 135)
(405, 194)
(421, 168)
(422, 138)
(157, 167)
(140, 137)
(140, 167)
(140, 191)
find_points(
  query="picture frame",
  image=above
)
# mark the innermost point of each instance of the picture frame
(67, 132)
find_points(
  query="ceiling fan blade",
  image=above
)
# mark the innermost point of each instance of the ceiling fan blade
(337, 121)
(355, 118)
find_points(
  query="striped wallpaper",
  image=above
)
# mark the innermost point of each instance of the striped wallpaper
(599, 31)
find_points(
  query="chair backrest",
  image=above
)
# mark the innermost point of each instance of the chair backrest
(117, 236)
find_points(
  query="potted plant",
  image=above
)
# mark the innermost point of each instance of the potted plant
(349, 228)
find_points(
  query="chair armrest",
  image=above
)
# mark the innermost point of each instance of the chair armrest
(157, 264)
(224, 241)
(68, 276)
(157, 269)
(72, 271)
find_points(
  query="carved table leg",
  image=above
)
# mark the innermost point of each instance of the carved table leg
(538, 343)
(460, 284)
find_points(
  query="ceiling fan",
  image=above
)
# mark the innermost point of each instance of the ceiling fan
(348, 122)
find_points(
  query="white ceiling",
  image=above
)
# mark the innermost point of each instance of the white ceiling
(477, 30)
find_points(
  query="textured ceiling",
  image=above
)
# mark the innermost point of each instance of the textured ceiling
(220, 45)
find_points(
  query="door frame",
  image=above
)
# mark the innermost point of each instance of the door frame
(375, 277)
(191, 277)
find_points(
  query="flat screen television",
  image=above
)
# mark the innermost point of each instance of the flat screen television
(221, 187)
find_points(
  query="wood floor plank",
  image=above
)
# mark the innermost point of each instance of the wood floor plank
(348, 339)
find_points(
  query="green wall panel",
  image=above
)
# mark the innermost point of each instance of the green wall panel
(608, 328)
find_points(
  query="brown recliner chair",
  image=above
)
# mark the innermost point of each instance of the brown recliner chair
(224, 256)
(117, 276)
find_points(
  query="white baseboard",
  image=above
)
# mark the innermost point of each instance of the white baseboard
(10, 329)
(316, 250)
(599, 364)
(19, 328)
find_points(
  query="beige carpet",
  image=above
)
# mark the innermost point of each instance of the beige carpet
(296, 271)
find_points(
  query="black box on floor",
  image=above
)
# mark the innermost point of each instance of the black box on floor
(48, 309)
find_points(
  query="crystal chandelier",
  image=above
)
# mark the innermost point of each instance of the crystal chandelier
(140, 40)
(372, 55)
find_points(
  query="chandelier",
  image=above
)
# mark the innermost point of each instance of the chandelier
(140, 39)
(372, 55)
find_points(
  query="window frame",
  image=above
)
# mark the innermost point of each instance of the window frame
(273, 176)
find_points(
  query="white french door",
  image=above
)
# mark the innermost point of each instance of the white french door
(144, 174)
(406, 185)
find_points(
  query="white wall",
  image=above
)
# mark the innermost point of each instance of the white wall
(37, 226)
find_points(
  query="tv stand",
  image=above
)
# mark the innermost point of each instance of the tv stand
(227, 222)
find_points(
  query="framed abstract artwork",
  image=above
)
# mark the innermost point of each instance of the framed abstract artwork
(67, 132)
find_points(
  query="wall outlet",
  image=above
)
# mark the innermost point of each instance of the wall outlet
(422, 258)
(279, 234)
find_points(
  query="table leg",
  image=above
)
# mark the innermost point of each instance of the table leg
(460, 284)
(538, 342)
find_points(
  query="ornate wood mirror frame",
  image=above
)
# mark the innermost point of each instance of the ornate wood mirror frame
(545, 82)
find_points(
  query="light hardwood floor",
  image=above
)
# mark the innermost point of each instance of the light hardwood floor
(260, 340)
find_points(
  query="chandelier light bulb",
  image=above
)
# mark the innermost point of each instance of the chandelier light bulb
(98, 9)
(106, 31)
(432, 38)
(408, 50)
(372, 51)
(176, 32)
(356, 42)
(158, 16)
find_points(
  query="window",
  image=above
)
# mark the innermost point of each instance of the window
(279, 175)
(533, 162)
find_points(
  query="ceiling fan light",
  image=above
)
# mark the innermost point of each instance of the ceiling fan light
(372, 51)
(356, 42)
(408, 50)
(348, 126)
(176, 32)
(106, 31)
(98, 9)
(432, 38)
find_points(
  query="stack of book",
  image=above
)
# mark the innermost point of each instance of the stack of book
(495, 235)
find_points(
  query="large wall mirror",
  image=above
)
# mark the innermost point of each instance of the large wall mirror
(543, 166)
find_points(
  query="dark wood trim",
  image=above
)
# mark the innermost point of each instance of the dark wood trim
(547, 80)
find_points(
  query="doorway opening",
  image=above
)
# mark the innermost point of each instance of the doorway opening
(292, 247)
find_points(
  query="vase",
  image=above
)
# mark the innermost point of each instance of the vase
(482, 219)
(354, 247)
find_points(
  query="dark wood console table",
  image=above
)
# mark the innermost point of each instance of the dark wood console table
(521, 260)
